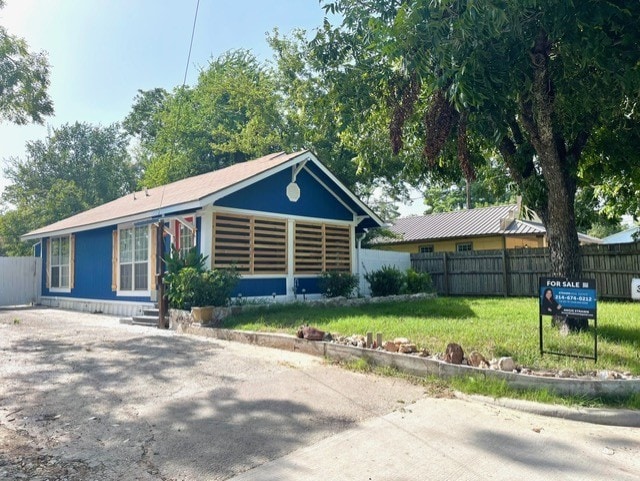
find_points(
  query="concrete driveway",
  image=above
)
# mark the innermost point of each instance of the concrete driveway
(83, 397)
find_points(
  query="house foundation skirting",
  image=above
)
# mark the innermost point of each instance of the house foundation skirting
(113, 308)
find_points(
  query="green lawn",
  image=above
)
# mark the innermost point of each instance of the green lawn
(496, 327)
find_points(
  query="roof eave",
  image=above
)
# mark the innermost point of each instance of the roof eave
(148, 215)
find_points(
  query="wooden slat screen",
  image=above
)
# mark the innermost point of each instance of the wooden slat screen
(269, 246)
(308, 248)
(337, 255)
(322, 247)
(253, 245)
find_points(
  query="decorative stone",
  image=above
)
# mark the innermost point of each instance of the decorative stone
(424, 353)
(390, 346)
(476, 359)
(565, 373)
(506, 364)
(401, 340)
(454, 354)
(310, 333)
(407, 348)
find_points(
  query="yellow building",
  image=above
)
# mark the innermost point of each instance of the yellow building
(485, 228)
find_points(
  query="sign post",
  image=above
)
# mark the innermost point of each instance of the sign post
(575, 298)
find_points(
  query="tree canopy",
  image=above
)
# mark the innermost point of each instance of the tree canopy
(24, 79)
(229, 116)
(78, 166)
(535, 82)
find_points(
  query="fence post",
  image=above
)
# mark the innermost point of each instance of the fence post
(445, 272)
(505, 272)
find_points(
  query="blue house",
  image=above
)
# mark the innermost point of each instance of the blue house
(281, 220)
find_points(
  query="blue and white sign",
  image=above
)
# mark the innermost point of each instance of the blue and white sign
(635, 289)
(569, 297)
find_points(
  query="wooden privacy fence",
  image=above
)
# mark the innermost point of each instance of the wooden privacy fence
(515, 272)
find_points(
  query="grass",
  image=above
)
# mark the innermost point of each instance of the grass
(495, 327)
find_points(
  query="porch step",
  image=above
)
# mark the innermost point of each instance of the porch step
(149, 318)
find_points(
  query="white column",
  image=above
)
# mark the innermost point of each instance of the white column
(291, 234)
(206, 235)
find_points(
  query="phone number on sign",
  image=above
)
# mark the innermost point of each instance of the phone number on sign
(560, 298)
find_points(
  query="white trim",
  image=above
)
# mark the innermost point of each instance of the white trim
(206, 235)
(146, 293)
(150, 262)
(291, 240)
(62, 290)
(266, 214)
(353, 197)
(109, 307)
(212, 198)
(353, 212)
(153, 215)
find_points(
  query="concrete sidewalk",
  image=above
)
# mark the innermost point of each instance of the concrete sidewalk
(453, 439)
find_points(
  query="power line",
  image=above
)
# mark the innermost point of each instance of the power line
(193, 31)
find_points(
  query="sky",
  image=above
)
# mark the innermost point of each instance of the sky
(101, 52)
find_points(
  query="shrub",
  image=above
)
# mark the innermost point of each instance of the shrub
(190, 284)
(388, 281)
(337, 284)
(182, 287)
(216, 287)
(418, 282)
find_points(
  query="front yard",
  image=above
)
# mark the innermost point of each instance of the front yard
(495, 327)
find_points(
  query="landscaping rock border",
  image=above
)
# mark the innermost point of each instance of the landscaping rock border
(418, 365)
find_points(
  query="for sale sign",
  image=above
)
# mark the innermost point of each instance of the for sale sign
(569, 297)
(635, 289)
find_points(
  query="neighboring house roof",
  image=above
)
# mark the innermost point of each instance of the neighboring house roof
(188, 195)
(461, 223)
(482, 221)
(623, 237)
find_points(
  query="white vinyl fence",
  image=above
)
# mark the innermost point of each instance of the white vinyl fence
(373, 260)
(20, 280)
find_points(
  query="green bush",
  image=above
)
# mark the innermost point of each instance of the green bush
(190, 284)
(418, 282)
(182, 286)
(337, 284)
(191, 288)
(388, 281)
(216, 287)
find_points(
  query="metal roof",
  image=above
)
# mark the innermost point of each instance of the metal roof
(623, 237)
(188, 195)
(462, 223)
(483, 221)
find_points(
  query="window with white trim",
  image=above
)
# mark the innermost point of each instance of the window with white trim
(426, 249)
(134, 259)
(464, 247)
(186, 239)
(60, 263)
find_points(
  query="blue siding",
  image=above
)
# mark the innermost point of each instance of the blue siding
(261, 287)
(269, 195)
(93, 252)
(309, 284)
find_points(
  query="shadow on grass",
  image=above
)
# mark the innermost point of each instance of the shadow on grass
(293, 315)
(621, 335)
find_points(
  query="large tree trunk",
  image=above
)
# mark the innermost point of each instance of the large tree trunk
(558, 167)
